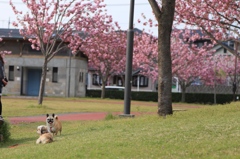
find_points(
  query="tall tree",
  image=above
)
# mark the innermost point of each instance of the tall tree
(145, 56)
(164, 14)
(228, 66)
(219, 20)
(106, 54)
(54, 25)
(191, 62)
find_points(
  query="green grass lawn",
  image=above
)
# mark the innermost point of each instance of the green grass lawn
(208, 132)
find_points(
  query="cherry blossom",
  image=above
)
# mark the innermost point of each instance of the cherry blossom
(54, 25)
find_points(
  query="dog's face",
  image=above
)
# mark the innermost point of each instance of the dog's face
(42, 129)
(50, 119)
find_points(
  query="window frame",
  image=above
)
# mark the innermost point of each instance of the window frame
(11, 73)
(143, 81)
(55, 75)
(96, 80)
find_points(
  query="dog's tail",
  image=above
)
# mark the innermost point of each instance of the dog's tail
(56, 117)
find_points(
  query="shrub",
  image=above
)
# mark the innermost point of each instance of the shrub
(203, 98)
(109, 116)
(5, 131)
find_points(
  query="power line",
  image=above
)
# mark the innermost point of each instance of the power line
(113, 5)
(139, 4)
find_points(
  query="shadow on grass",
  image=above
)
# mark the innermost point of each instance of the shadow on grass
(17, 142)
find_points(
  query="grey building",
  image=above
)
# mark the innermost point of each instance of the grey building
(66, 75)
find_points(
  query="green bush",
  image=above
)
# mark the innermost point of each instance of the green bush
(203, 98)
(5, 131)
(110, 116)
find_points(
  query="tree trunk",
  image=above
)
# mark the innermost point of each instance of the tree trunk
(103, 90)
(43, 81)
(183, 93)
(165, 21)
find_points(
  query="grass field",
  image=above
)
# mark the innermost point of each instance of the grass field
(206, 132)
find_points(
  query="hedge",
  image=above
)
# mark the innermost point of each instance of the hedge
(202, 98)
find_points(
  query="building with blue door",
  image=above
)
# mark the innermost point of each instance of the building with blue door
(66, 73)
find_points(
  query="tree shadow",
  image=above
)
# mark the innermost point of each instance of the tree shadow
(16, 142)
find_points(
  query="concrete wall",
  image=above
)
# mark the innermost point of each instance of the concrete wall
(68, 83)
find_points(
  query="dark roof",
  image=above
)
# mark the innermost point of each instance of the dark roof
(137, 30)
(193, 32)
(227, 44)
(14, 34)
(10, 33)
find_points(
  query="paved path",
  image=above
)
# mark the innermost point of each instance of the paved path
(68, 117)
(62, 117)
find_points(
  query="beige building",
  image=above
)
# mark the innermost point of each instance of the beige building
(66, 75)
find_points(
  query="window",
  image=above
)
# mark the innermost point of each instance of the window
(200, 44)
(231, 44)
(141, 80)
(11, 73)
(174, 83)
(55, 74)
(96, 80)
(81, 75)
(224, 50)
(117, 80)
(27, 49)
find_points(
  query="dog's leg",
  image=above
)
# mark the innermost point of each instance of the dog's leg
(38, 141)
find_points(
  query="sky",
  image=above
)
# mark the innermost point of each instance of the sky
(119, 9)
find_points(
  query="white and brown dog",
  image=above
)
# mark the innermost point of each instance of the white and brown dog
(45, 136)
(53, 124)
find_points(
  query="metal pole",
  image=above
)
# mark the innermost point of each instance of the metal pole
(215, 69)
(129, 55)
(69, 73)
(235, 73)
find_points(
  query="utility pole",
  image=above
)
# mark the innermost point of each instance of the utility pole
(69, 72)
(9, 23)
(235, 72)
(215, 73)
(128, 72)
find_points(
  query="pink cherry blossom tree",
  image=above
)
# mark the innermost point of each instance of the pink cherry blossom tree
(145, 55)
(229, 67)
(54, 25)
(107, 55)
(189, 61)
(218, 19)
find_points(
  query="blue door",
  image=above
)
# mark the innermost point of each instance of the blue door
(33, 81)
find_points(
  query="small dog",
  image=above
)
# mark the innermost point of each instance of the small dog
(45, 136)
(53, 124)
(42, 129)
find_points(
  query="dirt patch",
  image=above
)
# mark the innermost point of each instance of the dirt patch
(13, 146)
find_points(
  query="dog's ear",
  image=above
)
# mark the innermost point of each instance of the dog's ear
(43, 130)
(56, 117)
(53, 115)
(47, 115)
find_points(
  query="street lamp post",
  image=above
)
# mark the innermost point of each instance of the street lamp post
(235, 73)
(128, 71)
